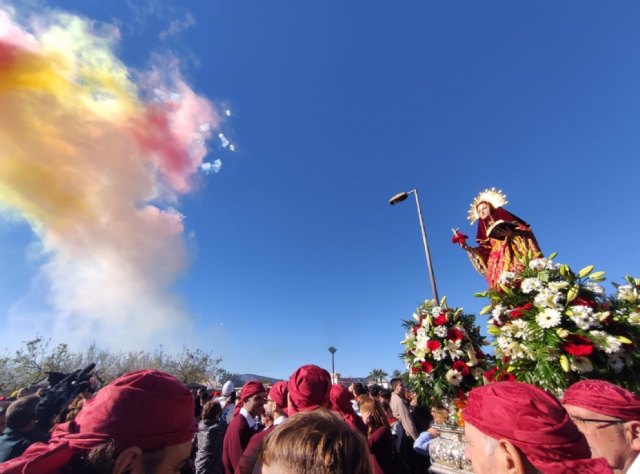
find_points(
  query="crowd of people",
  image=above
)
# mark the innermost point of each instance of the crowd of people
(149, 422)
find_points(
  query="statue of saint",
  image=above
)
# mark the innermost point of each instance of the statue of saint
(503, 238)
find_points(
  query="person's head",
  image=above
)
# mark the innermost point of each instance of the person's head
(484, 209)
(21, 414)
(309, 388)
(609, 417)
(374, 390)
(513, 427)
(373, 414)
(317, 442)
(142, 419)
(211, 411)
(359, 389)
(397, 386)
(385, 395)
(277, 400)
(253, 397)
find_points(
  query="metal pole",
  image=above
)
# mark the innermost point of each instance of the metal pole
(426, 248)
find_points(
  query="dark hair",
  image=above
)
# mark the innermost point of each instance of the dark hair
(385, 394)
(211, 411)
(22, 412)
(102, 459)
(359, 389)
(374, 390)
(394, 382)
(318, 442)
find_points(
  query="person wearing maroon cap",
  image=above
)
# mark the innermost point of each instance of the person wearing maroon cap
(517, 428)
(609, 417)
(142, 422)
(307, 390)
(243, 424)
(276, 406)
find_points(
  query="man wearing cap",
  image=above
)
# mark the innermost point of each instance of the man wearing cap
(243, 425)
(276, 406)
(142, 422)
(517, 428)
(307, 390)
(609, 417)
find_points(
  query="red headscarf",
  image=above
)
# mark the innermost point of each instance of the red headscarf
(249, 389)
(309, 388)
(146, 408)
(278, 393)
(341, 397)
(534, 422)
(605, 398)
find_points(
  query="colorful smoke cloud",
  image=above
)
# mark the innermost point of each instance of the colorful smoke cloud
(94, 156)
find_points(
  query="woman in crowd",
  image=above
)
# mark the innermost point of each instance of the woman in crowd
(378, 433)
(212, 429)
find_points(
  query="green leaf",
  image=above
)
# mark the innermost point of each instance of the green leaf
(553, 255)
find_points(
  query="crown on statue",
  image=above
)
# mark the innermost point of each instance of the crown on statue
(493, 196)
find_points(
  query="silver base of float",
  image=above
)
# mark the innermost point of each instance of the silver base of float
(447, 451)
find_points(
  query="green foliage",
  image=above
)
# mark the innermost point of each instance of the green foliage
(31, 362)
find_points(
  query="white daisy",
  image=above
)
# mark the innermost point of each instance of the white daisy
(548, 318)
(583, 317)
(439, 354)
(538, 264)
(454, 377)
(440, 331)
(530, 285)
(507, 278)
(547, 298)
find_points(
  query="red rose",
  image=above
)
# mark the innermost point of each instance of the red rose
(491, 374)
(577, 345)
(459, 238)
(519, 311)
(440, 320)
(454, 334)
(432, 345)
(426, 367)
(415, 370)
(414, 329)
(461, 367)
(580, 301)
(505, 377)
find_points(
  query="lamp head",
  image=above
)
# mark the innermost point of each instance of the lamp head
(398, 198)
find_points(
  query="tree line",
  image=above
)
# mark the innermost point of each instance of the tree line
(31, 362)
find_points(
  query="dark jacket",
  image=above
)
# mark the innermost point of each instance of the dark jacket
(14, 443)
(210, 439)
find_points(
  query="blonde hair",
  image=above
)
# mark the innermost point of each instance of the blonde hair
(378, 416)
(316, 442)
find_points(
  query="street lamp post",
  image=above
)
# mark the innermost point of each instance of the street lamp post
(401, 197)
(333, 368)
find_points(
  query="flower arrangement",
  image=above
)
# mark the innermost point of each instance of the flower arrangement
(553, 326)
(442, 352)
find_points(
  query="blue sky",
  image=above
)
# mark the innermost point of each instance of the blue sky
(337, 106)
